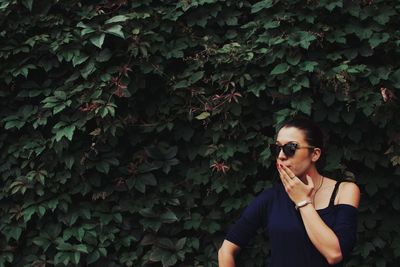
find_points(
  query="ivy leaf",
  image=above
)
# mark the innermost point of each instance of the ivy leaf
(333, 4)
(169, 260)
(88, 69)
(196, 76)
(116, 30)
(93, 257)
(98, 40)
(118, 18)
(280, 68)
(181, 243)
(168, 217)
(293, 60)
(378, 38)
(308, 66)
(81, 248)
(303, 104)
(395, 78)
(301, 38)
(261, 5)
(28, 4)
(103, 167)
(79, 59)
(203, 115)
(383, 17)
(67, 131)
(348, 117)
(76, 258)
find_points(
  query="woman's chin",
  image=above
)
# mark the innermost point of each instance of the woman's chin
(301, 175)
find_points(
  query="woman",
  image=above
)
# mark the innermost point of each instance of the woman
(321, 230)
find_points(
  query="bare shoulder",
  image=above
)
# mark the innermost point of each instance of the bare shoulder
(349, 193)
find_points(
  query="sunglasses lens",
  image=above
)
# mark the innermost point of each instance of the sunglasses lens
(289, 149)
(274, 149)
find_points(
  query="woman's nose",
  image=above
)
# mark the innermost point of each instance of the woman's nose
(281, 155)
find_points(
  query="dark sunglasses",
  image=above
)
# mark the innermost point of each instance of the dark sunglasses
(289, 149)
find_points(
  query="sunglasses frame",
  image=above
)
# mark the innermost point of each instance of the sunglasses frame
(286, 148)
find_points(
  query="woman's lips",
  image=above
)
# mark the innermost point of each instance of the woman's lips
(286, 165)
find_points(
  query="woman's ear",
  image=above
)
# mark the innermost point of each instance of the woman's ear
(316, 154)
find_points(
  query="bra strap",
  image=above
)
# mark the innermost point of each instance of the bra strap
(331, 201)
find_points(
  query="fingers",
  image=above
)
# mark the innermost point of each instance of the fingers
(288, 171)
(281, 176)
(287, 181)
(285, 173)
(288, 174)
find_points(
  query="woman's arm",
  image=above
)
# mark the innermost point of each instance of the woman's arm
(323, 237)
(245, 228)
(227, 253)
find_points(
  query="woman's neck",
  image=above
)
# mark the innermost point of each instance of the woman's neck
(315, 176)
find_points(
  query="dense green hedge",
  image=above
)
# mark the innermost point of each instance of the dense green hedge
(133, 133)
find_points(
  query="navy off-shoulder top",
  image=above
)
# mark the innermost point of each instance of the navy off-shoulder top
(275, 212)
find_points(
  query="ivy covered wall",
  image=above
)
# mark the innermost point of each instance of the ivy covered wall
(133, 133)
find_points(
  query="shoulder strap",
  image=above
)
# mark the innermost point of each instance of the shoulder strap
(331, 201)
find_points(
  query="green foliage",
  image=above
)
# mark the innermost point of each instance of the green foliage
(134, 132)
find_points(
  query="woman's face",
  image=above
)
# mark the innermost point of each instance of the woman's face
(302, 160)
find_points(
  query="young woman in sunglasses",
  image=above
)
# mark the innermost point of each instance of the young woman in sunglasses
(310, 219)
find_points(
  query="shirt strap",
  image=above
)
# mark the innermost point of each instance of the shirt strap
(331, 202)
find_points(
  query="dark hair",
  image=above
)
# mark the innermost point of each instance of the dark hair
(312, 134)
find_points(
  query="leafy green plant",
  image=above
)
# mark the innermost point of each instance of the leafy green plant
(133, 133)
